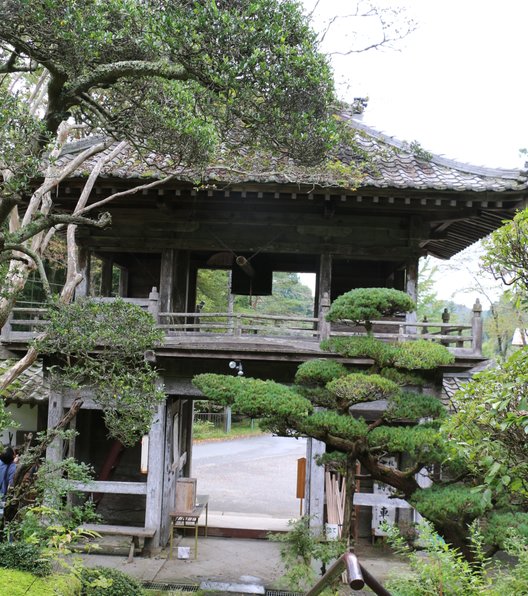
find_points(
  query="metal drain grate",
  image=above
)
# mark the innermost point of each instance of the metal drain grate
(283, 593)
(167, 587)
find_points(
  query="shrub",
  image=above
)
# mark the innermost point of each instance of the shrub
(202, 428)
(440, 504)
(421, 354)
(358, 387)
(105, 581)
(498, 527)
(368, 304)
(443, 570)
(361, 347)
(299, 548)
(403, 378)
(24, 557)
(414, 406)
(318, 372)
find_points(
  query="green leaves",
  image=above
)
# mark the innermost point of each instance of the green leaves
(253, 397)
(412, 355)
(183, 76)
(506, 255)
(368, 304)
(103, 345)
(421, 354)
(318, 372)
(358, 387)
(440, 504)
(489, 428)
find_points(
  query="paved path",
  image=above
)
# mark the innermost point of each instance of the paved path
(251, 476)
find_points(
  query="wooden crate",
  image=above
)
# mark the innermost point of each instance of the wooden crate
(185, 494)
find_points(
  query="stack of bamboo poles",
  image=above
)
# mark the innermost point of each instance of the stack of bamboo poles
(335, 499)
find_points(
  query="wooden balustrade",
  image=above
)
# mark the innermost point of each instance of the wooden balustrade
(25, 322)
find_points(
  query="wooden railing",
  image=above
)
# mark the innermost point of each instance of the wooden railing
(238, 324)
(25, 322)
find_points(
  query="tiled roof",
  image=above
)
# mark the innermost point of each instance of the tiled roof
(394, 165)
(31, 387)
(453, 382)
(405, 166)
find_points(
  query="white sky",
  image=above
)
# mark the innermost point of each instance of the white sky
(457, 85)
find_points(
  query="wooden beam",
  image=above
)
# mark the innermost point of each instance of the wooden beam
(111, 487)
(106, 276)
(411, 288)
(324, 286)
(167, 275)
(83, 289)
(156, 464)
(55, 412)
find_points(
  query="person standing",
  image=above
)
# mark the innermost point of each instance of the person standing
(7, 471)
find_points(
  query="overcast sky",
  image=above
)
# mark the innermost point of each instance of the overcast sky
(456, 84)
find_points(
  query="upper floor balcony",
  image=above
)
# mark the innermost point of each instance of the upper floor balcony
(266, 336)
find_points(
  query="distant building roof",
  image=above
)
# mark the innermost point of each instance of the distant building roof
(31, 387)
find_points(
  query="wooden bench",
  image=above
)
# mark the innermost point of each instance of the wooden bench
(135, 534)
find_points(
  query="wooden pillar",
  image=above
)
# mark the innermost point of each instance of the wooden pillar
(476, 328)
(55, 413)
(156, 464)
(106, 277)
(55, 449)
(181, 282)
(174, 280)
(315, 485)
(167, 273)
(411, 287)
(188, 422)
(123, 282)
(83, 289)
(172, 458)
(324, 286)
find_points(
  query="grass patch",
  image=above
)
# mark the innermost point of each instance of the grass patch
(23, 583)
(203, 430)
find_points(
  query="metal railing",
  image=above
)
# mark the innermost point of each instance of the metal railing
(25, 322)
(356, 576)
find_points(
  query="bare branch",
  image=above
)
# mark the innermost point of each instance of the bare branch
(38, 262)
(124, 193)
(53, 179)
(50, 221)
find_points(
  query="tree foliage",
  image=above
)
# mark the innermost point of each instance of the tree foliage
(491, 424)
(178, 75)
(103, 345)
(322, 405)
(489, 427)
(506, 255)
(364, 305)
(185, 80)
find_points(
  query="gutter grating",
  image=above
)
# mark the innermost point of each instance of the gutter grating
(169, 587)
(282, 593)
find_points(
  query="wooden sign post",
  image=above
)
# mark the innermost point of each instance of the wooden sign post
(301, 481)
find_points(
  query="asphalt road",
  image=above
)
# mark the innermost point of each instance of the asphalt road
(252, 476)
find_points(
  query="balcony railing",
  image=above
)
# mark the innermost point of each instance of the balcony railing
(26, 321)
